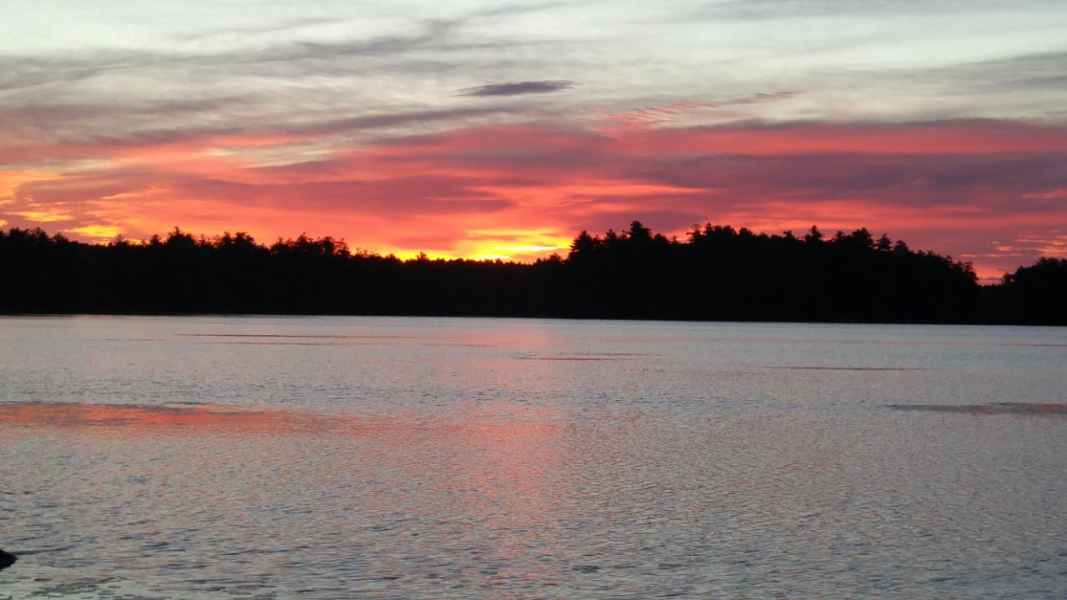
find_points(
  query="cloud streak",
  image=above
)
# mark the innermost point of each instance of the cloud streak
(518, 88)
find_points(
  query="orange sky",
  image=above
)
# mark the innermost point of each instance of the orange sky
(993, 192)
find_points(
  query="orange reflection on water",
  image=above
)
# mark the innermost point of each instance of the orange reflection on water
(507, 464)
(134, 419)
(503, 461)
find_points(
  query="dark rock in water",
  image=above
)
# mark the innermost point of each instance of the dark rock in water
(6, 560)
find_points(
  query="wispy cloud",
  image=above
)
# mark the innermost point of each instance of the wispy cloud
(256, 30)
(789, 9)
(518, 88)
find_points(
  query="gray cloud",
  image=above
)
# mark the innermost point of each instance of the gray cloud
(24, 72)
(431, 48)
(55, 115)
(509, 10)
(743, 10)
(256, 30)
(65, 132)
(518, 88)
(1028, 71)
(394, 119)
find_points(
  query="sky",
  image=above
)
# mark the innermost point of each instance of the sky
(501, 129)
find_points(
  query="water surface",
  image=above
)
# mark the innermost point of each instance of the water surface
(219, 457)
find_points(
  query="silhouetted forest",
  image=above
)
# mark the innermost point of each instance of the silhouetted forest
(717, 273)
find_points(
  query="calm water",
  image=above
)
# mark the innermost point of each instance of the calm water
(467, 458)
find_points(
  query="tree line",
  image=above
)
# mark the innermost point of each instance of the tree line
(715, 273)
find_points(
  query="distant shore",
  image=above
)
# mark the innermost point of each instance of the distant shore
(717, 274)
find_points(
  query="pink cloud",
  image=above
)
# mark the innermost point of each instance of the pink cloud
(953, 186)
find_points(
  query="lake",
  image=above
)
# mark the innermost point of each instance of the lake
(321, 457)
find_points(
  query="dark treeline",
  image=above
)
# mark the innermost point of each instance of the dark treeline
(718, 273)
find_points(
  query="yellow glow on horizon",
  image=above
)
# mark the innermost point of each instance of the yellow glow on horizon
(511, 251)
(97, 231)
(514, 244)
(511, 245)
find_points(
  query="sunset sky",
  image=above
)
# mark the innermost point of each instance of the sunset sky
(501, 129)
